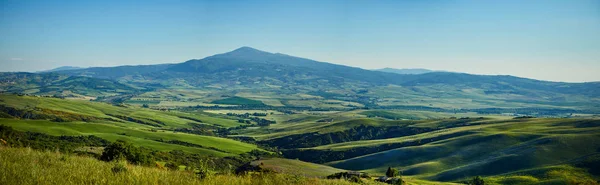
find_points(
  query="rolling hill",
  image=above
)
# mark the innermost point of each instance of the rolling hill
(249, 70)
(157, 130)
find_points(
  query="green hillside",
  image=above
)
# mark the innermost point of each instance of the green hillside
(487, 150)
(143, 127)
(296, 167)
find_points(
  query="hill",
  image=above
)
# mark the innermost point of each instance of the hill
(296, 167)
(157, 130)
(61, 85)
(281, 80)
(450, 150)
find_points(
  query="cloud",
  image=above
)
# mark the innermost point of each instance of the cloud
(16, 59)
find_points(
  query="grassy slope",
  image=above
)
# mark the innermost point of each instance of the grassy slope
(305, 123)
(103, 110)
(133, 132)
(297, 167)
(24, 166)
(489, 150)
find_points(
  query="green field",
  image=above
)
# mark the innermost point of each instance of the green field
(488, 150)
(428, 147)
(105, 122)
(237, 101)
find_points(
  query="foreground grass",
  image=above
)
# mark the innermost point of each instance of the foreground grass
(26, 166)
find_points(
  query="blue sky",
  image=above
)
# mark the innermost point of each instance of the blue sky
(546, 39)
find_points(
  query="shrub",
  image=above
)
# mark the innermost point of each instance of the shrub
(355, 179)
(123, 150)
(172, 166)
(391, 172)
(477, 181)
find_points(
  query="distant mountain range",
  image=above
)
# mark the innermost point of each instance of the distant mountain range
(249, 69)
(63, 68)
(415, 71)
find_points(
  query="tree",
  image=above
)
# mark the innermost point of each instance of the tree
(477, 181)
(391, 172)
(123, 150)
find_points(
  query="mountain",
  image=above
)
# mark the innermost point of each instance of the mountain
(62, 68)
(288, 78)
(249, 62)
(61, 85)
(118, 71)
(414, 71)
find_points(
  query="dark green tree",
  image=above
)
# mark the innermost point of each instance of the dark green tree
(391, 172)
(477, 181)
(123, 150)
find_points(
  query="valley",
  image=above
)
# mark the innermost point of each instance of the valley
(254, 112)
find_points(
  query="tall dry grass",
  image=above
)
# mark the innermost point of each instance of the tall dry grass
(24, 166)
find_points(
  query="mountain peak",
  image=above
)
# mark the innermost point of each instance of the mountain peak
(246, 49)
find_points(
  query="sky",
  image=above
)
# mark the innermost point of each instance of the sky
(541, 39)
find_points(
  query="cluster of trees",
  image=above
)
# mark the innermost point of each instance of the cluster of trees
(200, 129)
(350, 176)
(248, 118)
(121, 150)
(247, 115)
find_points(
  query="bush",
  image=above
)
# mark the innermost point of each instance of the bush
(355, 179)
(122, 150)
(391, 172)
(477, 181)
(172, 166)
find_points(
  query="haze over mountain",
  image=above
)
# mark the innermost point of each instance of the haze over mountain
(405, 71)
(62, 68)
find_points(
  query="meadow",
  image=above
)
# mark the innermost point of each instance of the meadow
(429, 147)
(106, 122)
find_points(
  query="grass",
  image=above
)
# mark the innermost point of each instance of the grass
(297, 167)
(488, 150)
(26, 166)
(103, 110)
(137, 136)
(560, 174)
